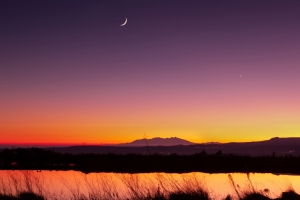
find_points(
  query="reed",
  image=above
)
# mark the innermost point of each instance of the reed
(29, 185)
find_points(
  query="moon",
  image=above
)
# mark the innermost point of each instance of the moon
(124, 22)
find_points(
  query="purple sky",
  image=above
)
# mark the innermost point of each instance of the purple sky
(181, 65)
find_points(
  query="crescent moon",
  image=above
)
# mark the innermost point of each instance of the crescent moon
(124, 22)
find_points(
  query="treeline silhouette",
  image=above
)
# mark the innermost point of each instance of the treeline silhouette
(41, 159)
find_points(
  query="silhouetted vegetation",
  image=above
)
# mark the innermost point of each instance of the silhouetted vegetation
(24, 188)
(36, 158)
(289, 195)
(22, 196)
(200, 195)
(173, 196)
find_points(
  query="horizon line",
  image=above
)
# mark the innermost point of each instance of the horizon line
(108, 144)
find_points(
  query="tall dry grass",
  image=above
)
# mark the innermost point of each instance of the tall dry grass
(21, 185)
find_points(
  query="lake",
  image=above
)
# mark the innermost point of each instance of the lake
(72, 184)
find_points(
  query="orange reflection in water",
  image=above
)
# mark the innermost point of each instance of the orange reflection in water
(66, 184)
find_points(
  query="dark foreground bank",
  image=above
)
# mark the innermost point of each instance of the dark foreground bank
(180, 195)
(41, 159)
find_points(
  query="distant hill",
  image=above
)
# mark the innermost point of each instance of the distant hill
(279, 146)
(173, 141)
(284, 141)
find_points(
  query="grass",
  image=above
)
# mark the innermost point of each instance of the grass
(22, 196)
(290, 195)
(26, 185)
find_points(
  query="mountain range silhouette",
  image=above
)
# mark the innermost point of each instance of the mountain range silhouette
(167, 146)
(157, 141)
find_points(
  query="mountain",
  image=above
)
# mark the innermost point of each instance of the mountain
(284, 141)
(173, 141)
(277, 146)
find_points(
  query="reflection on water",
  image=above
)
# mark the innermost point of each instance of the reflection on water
(73, 184)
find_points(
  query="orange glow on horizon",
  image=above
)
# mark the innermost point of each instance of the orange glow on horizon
(99, 135)
(210, 120)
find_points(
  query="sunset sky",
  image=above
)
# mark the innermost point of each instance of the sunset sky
(200, 70)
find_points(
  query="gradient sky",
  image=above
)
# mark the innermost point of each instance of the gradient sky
(199, 70)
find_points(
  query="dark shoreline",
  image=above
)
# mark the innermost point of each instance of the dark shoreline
(38, 169)
(41, 159)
